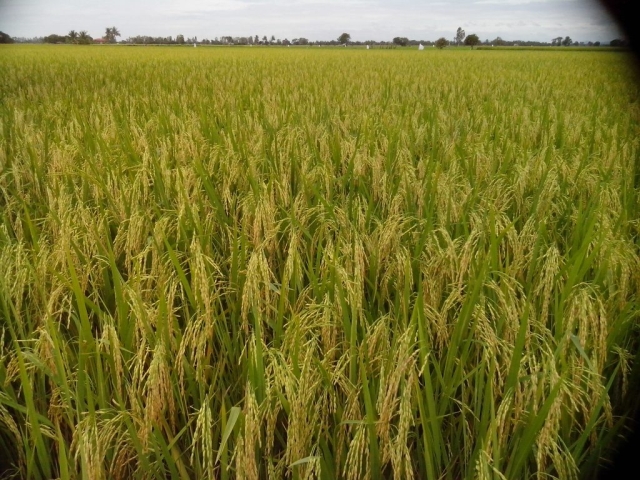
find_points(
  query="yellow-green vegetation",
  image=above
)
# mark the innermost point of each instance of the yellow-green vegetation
(315, 263)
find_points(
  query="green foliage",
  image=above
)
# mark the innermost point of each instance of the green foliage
(441, 43)
(296, 263)
(84, 38)
(53, 38)
(498, 42)
(402, 41)
(472, 40)
(111, 33)
(344, 38)
(5, 38)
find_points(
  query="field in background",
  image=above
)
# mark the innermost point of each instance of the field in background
(268, 263)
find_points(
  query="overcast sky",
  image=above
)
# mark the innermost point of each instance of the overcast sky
(541, 20)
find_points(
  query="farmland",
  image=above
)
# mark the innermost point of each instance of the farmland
(316, 263)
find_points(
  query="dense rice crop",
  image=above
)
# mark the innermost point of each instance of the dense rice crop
(253, 263)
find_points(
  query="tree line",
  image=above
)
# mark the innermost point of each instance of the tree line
(82, 37)
(111, 35)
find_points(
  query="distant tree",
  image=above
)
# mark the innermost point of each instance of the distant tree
(73, 36)
(180, 39)
(264, 39)
(344, 38)
(256, 39)
(53, 38)
(5, 38)
(273, 38)
(616, 43)
(556, 42)
(303, 41)
(84, 38)
(472, 40)
(499, 42)
(596, 44)
(459, 36)
(23, 39)
(402, 41)
(441, 43)
(567, 41)
(111, 33)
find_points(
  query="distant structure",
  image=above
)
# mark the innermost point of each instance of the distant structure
(194, 45)
(367, 47)
(420, 47)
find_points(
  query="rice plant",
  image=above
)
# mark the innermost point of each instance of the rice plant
(299, 263)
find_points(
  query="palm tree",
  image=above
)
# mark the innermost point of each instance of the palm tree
(73, 36)
(111, 33)
(84, 37)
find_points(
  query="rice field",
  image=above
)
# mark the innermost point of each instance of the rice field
(316, 263)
